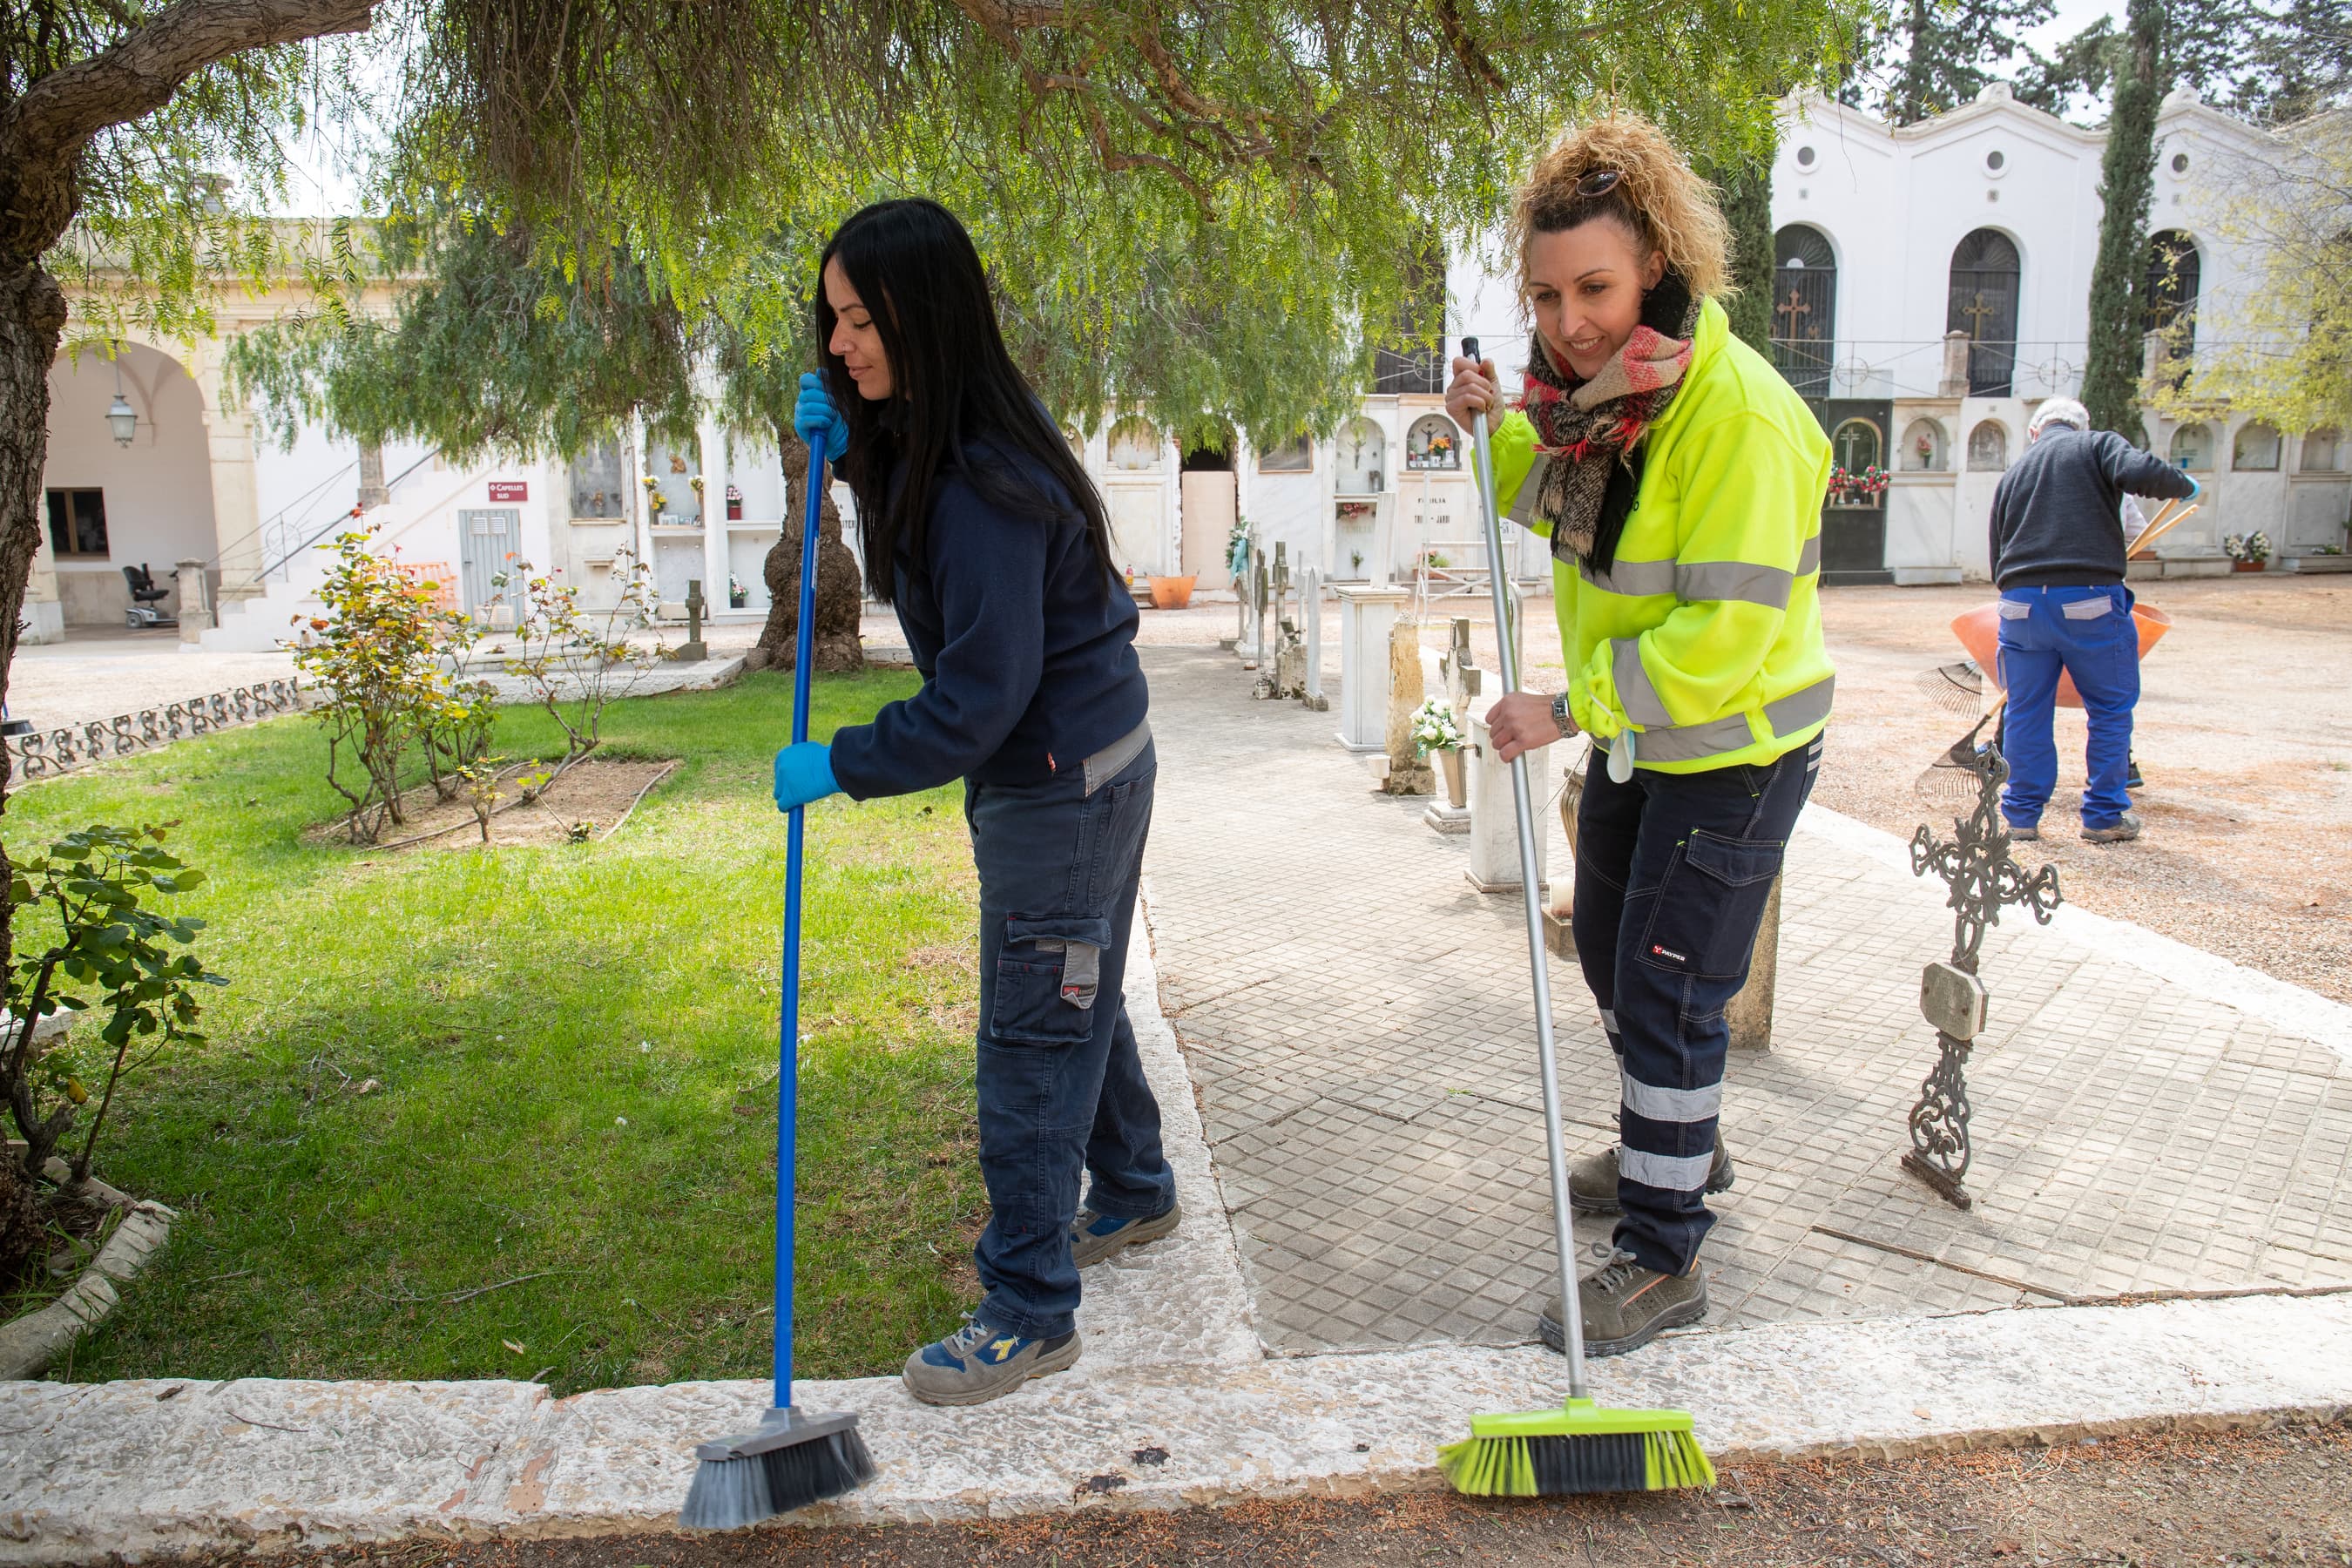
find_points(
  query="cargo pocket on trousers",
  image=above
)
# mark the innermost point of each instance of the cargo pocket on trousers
(1709, 905)
(1049, 973)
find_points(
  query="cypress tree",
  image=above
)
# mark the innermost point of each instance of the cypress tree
(1746, 193)
(2111, 376)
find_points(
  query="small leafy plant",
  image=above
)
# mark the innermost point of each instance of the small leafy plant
(383, 655)
(89, 938)
(1434, 728)
(575, 660)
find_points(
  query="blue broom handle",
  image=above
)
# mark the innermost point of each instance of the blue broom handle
(788, 1045)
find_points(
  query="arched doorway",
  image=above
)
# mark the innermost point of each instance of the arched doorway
(147, 504)
(1805, 308)
(1982, 302)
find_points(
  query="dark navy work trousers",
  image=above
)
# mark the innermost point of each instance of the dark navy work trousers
(1673, 873)
(1062, 1089)
(2086, 633)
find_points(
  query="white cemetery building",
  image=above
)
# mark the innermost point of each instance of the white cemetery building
(1931, 286)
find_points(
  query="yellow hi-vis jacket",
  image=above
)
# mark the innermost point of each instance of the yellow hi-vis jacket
(1704, 637)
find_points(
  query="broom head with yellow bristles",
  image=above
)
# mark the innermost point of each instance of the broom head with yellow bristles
(1579, 1447)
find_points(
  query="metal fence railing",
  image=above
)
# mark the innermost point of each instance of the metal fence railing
(59, 749)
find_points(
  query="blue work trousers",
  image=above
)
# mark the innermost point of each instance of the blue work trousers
(2086, 633)
(1673, 874)
(1061, 1087)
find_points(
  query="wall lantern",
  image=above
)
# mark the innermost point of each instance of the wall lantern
(121, 417)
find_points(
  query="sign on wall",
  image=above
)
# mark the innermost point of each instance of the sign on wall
(509, 490)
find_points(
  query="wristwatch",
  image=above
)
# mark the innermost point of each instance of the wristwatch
(1560, 715)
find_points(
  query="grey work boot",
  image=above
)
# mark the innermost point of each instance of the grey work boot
(2028, 833)
(2126, 829)
(1094, 1236)
(1626, 1306)
(1593, 1183)
(977, 1364)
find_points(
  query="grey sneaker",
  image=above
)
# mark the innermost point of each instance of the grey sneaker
(2029, 834)
(2126, 829)
(977, 1364)
(1626, 1306)
(1094, 1236)
(1593, 1183)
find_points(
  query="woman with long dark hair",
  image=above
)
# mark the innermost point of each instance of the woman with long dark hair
(980, 526)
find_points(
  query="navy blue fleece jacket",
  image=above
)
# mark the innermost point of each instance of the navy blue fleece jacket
(1025, 643)
(2056, 518)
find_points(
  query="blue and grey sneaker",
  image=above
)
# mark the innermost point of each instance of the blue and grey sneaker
(976, 1363)
(1094, 1236)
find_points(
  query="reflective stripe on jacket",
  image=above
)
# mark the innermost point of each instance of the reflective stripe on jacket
(1705, 636)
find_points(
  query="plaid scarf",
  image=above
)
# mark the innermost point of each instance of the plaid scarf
(1592, 430)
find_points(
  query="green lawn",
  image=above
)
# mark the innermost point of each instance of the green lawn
(577, 1050)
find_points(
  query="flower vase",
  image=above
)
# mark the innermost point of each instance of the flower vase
(2248, 565)
(1449, 763)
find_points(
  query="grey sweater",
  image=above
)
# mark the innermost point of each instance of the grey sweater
(2055, 518)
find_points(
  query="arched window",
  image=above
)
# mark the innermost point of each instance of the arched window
(2256, 450)
(1433, 443)
(1982, 302)
(1134, 445)
(1854, 447)
(1363, 454)
(2323, 452)
(1805, 308)
(1988, 448)
(2173, 271)
(2192, 448)
(1923, 447)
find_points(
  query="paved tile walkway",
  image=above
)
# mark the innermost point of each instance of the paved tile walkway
(1356, 1020)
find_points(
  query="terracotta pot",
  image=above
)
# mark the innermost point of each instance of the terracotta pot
(1173, 593)
(2248, 565)
(1449, 763)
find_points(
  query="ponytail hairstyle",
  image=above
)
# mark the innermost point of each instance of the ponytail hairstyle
(958, 404)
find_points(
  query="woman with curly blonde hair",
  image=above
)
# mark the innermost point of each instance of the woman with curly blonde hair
(1680, 481)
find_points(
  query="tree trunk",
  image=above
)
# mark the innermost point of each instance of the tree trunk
(840, 598)
(2118, 277)
(32, 319)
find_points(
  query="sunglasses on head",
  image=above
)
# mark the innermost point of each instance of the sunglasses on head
(1598, 184)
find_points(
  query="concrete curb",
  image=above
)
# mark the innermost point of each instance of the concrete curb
(29, 1343)
(2284, 1007)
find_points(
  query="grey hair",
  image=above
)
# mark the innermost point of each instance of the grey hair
(2058, 411)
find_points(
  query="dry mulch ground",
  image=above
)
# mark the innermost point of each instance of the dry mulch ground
(598, 792)
(2279, 1497)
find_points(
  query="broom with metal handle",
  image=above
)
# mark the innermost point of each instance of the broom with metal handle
(1579, 1447)
(794, 1458)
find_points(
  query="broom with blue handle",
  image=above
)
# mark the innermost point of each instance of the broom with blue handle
(1579, 1446)
(794, 1458)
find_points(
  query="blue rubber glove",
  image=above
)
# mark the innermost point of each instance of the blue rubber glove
(814, 411)
(2195, 489)
(804, 774)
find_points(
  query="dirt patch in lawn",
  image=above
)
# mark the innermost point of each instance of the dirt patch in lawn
(586, 802)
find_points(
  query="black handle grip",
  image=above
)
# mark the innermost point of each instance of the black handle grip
(1470, 351)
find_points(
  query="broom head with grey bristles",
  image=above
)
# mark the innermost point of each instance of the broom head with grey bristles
(792, 1461)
